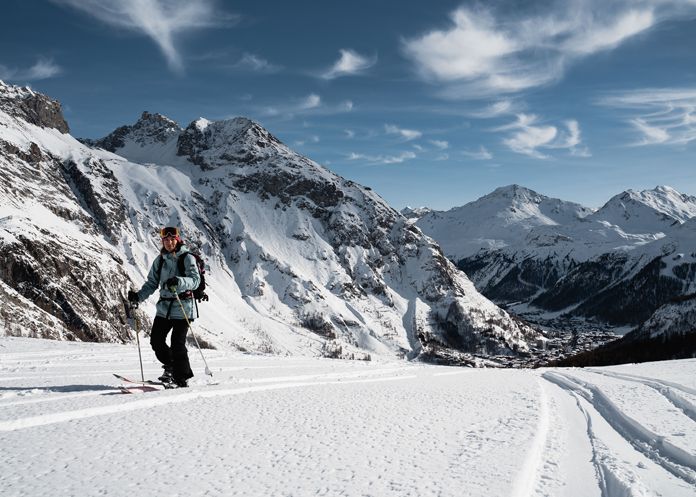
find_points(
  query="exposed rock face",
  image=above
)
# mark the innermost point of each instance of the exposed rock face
(32, 107)
(237, 141)
(150, 128)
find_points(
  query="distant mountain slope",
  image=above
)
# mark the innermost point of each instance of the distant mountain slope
(500, 219)
(301, 261)
(616, 265)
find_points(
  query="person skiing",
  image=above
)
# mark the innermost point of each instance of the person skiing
(165, 276)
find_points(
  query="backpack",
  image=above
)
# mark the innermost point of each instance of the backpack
(199, 292)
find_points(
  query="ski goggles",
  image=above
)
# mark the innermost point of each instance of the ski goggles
(169, 232)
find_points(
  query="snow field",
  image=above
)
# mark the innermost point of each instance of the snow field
(284, 426)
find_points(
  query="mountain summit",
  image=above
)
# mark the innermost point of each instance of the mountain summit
(500, 219)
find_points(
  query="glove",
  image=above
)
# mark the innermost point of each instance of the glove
(172, 283)
(133, 297)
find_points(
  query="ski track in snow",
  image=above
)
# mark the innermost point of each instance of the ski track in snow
(275, 426)
(598, 408)
(667, 389)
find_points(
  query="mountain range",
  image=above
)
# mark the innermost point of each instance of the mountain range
(559, 263)
(299, 259)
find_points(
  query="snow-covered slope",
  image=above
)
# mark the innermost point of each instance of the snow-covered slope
(617, 264)
(278, 426)
(301, 261)
(648, 211)
(500, 219)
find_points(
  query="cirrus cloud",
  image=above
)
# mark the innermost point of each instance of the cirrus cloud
(406, 134)
(43, 69)
(160, 20)
(483, 52)
(349, 63)
(661, 116)
(529, 137)
(383, 159)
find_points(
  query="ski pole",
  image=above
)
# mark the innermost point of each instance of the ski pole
(207, 369)
(132, 307)
(137, 339)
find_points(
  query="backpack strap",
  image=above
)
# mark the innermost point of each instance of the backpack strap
(160, 263)
(180, 266)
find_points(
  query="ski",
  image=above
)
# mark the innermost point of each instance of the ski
(138, 382)
(138, 389)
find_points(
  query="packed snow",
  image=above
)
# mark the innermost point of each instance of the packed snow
(289, 426)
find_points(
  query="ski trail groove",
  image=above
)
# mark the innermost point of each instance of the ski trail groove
(61, 417)
(672, 458)
(666, 390)
(528, 477)
(671, 384)
(610, 477)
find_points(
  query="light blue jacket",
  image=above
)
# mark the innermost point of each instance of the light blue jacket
(167, 308)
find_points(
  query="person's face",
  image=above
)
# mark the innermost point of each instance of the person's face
(169, 243)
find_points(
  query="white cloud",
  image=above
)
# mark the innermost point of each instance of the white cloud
(310, 139)
(43, 69)
(160, 20)
(312, 104)
(349, 63)
(440, 144)
(529, 137)
(496, 109)
(383, 159)
(662, 116)
(481, 154)
(485, 52)
(406, 134)
(254, 63)
(350, 133)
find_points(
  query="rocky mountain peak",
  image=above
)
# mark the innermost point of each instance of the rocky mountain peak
(211, 144)
(656, 209)
(151, 128)
(516, 194)
(32, 107)
(415, 212)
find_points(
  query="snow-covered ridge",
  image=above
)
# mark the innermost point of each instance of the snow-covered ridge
(25, 104)
(301, 261)
(617, 264)
(500, 219)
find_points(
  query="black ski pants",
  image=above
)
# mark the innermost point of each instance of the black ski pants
(175, 356)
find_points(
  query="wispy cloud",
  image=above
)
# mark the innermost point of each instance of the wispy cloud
(530, 138)
(406, 134)
(484, 51)
(43, 69)
(348, 64)
(160, 20)
(497, 109)
(440, 144)
(312, 104)
(383, 159)
(310, 139)
(481, 154)
(662, 116)
(254, 63)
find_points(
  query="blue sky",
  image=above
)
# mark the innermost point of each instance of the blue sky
(429, 103)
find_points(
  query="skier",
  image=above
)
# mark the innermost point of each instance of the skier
(167, 276)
